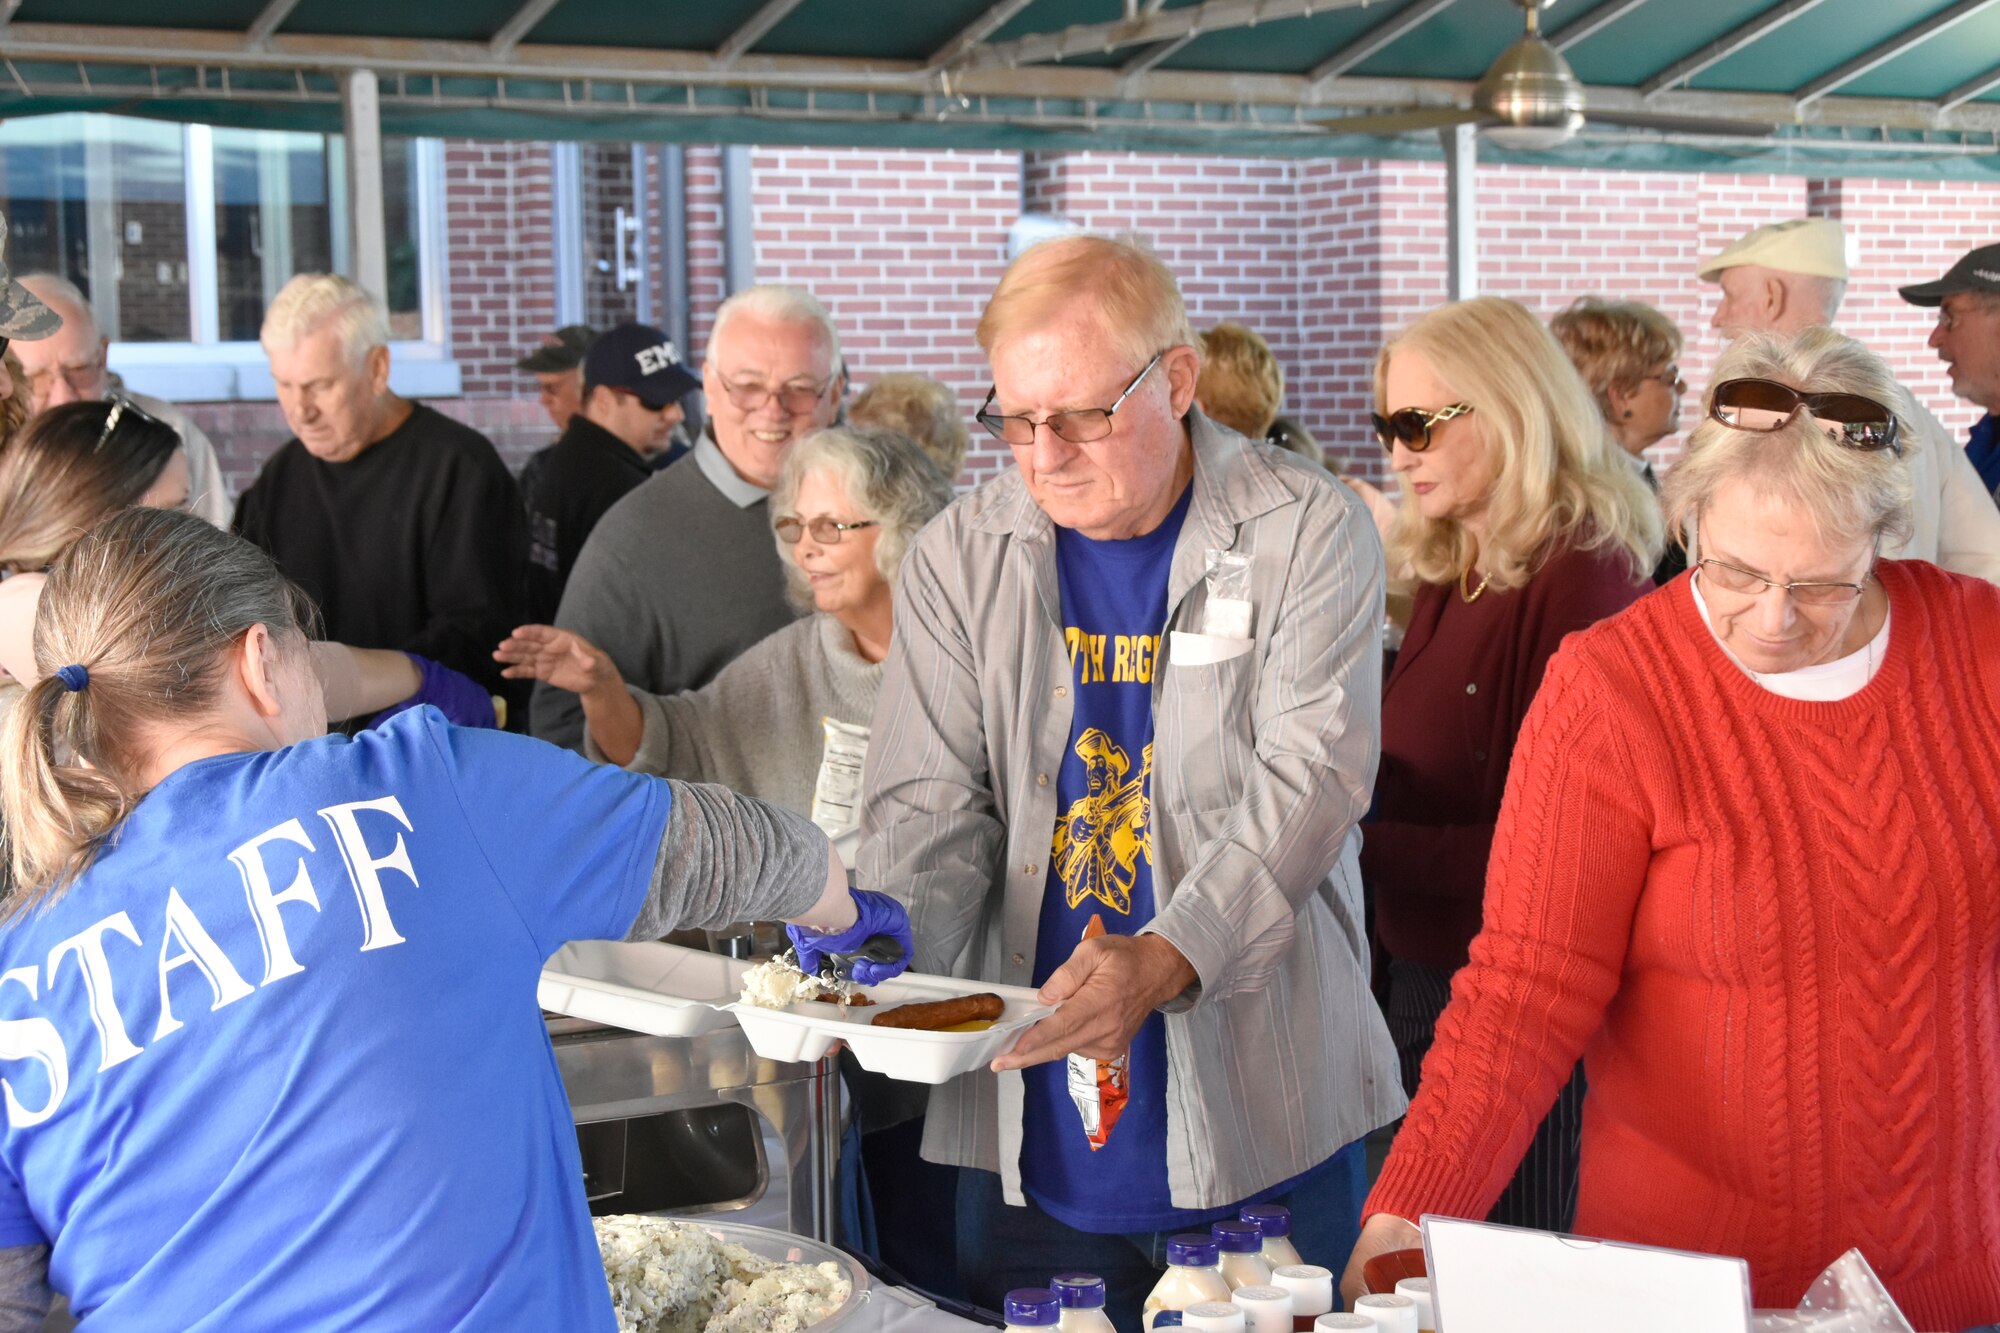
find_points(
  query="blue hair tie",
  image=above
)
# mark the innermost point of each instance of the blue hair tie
(74, 678)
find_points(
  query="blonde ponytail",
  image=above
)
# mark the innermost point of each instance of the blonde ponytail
(133, 634)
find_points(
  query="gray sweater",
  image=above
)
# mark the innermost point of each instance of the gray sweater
(677, 579)
(756, 727)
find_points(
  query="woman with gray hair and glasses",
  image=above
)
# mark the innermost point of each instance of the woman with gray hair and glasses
(847, 504)
(1745, 869)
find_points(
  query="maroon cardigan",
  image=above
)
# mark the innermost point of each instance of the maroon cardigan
(1450, 712)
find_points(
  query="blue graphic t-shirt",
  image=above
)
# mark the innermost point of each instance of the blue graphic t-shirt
(275, 1061)
(1114, 609)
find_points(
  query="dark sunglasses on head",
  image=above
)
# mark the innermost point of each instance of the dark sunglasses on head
(1764, 406)
(1411, 426)
(123, 409)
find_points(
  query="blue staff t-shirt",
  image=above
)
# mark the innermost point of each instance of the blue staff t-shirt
(1983, 448)
(1114, 610)
(275, 1060)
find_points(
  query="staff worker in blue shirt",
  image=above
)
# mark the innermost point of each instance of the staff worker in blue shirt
(269, 1049)
(1101, 769)
(1967, 340)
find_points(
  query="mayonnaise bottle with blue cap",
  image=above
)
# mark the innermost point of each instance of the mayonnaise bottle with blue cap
(1274, 1222)
(1031, 1308)
(1082, 1298)
(1191, 1279)
(1242, 1259)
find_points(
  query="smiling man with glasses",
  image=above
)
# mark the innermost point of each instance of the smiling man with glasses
(1102, 770)
(681, 575)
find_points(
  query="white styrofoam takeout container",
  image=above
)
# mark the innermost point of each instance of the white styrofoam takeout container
(808, 1030)
(663, 990)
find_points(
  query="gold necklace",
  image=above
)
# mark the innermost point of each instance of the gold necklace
(1476, 593)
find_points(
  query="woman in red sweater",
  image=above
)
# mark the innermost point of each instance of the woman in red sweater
(1520, 523)
(1746, 868)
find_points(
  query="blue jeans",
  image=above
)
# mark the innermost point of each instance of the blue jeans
(1000, 1247)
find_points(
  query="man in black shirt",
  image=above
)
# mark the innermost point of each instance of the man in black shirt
(633, 382)
(401, 524)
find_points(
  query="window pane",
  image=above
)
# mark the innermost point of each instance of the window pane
(101, 200)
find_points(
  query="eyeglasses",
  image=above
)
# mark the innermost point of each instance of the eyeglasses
(825, 531)
(796, 399)
(83, 380)
(1079, 426)
(1731, 578)
(1671, 377)
(121, 408)
(1412, 425)
(1765, 406)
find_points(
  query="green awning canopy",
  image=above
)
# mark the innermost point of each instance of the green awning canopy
(1897, 88)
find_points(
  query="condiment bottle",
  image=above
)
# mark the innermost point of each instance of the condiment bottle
(1031, 1308)
(1265, 1309)
(1242, 1260)
(1340, 1323)
(1082, 1298)
(1418, 1289)
(1190, 1279)
(1311, 1290)
(1389, 1313)
(1215, 1317)
(1274, 1221)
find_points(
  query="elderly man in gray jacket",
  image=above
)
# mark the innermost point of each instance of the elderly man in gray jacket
(1127, 726)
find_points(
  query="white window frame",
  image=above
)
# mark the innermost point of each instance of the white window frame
(206, 369)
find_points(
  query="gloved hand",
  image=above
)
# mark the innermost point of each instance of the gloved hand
(463, 700)
(875, 914)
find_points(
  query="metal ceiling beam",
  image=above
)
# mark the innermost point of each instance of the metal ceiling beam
(1152, 56)
(1902, 43)
(996, 17)
(1370, 43)
(752, 32)
(268, 21)
(515, 29)
(1970, 89)
(1163, 26)
(1758, 28)
(1596, 21)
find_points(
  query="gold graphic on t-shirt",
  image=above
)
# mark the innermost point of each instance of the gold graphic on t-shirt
(1100, 839)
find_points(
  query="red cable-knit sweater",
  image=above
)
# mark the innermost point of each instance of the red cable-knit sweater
(1772, 929)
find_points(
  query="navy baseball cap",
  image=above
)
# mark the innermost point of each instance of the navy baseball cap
(641, 360)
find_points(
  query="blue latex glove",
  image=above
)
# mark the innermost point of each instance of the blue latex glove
(875, 914)
(463, 700)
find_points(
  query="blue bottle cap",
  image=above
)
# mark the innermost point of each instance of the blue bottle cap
(1169, 1319)
(1237, 1237)
(1270, 1219)
(1079, 1291)
(1032, 1307)
(1192, 1250)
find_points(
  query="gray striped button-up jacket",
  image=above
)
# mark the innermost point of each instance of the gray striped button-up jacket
(1262, 766)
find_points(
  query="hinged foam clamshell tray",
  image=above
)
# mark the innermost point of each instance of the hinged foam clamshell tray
(807, 1031)
(663, 990)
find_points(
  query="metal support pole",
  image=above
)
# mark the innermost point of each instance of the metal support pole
(674, 317)
(739, 228)
(361, 116)
(1461, 169)
(566, 230)
(642, 272)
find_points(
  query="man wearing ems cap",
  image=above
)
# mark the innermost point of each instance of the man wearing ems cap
(1790, 276)
(632, 385)
(1967, 340)
(557, 366)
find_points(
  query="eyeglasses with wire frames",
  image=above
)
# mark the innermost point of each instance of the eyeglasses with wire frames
(1412, 425)
(825, 531)
(123, 408)
(1078, 426)
(1671, 377)
(1736, 579)
(795, 398)
(1764, 406)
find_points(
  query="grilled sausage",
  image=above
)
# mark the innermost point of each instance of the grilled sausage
(935, 1015)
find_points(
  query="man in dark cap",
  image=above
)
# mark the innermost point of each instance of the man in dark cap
(632, 385)
(557, 366)
(1967, 340)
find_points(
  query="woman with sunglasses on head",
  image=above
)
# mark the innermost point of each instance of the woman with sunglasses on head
(79, 463)
(848, 501)
(1745, 869)
(1519, 524)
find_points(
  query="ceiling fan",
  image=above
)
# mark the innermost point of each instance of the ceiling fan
(1531, 100)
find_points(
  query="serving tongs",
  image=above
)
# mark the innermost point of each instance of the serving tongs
(838, 968)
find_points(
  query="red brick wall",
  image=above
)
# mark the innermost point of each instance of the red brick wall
(1326, 258)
